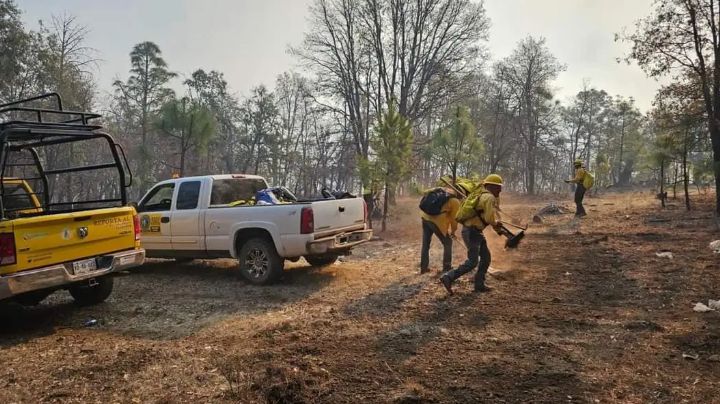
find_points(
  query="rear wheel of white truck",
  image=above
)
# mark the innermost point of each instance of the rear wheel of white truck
(92, 292)
(260, 263)
(321, 260)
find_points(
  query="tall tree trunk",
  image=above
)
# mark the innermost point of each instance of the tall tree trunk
(715, 138)
(182, 163)
(385, 209)
(675, 181)
(531, 170)
(662, 183)
(619, 180)
(685, 173)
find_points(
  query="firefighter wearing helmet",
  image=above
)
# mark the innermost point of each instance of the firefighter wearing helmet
(580, 181)
(484, 207)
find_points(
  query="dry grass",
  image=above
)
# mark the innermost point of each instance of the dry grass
(583, 311)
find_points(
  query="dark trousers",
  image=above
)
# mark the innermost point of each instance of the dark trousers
(429, 228)
(579, 195)
(478, 254)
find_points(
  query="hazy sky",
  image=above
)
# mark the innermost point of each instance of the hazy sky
(247, 40)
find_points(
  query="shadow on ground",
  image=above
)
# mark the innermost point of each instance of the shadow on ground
(162, 300)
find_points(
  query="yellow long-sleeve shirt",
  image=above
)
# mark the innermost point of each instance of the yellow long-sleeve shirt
(579, 176)
(445, 221)
(486, 208)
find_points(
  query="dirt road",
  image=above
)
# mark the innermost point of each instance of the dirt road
(584, 311)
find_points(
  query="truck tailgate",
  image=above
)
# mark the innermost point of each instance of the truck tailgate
(338, 214)
(53, 239)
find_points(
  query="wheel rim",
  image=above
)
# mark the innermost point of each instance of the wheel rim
(257, 263)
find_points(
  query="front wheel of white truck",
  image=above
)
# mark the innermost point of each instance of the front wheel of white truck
(260, 263)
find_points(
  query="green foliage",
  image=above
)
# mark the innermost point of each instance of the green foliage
(15, 53)
(145, 90)
(625, 139)
(188, 122)
(681, 40)
(259, 116)
(392, 143)
(141, 97)
(457, 145)
(703, 172)
(603, 175)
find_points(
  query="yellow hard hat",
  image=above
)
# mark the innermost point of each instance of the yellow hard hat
(578, 162)
(493, 179)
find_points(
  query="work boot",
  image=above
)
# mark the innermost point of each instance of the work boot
(447, 283)
(482, 289)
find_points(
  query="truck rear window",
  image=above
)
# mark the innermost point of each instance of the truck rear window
(15, 198)
(227, 191)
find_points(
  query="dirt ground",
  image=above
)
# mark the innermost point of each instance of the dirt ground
(583, 311)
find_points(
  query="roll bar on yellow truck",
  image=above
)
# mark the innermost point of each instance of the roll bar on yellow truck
(65, 222)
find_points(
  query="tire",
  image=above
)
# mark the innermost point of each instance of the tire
(259, 262)
(86, 295)
(321, 260)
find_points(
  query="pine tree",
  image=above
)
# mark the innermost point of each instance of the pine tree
(392, 143)
(457, 143)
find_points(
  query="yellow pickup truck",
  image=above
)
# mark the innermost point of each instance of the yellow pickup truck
(64, 224)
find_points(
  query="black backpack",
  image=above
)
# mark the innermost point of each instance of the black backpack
(433, 201)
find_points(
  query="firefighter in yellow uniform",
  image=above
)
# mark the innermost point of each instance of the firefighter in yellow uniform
(443, 226)
(579, 180)
(478, 253)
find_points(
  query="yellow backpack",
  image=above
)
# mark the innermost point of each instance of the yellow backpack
(468, 209)
(588, 180)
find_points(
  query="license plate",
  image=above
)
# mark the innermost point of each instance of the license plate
(85, 266)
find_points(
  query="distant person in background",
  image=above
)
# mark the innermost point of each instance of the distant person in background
(439, 207)
(579, 181)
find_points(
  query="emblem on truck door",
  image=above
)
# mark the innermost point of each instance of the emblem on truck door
(83, 232)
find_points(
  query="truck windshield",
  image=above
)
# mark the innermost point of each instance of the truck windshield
(234, 190)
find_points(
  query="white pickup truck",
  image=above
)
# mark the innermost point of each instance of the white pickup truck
(203, 217)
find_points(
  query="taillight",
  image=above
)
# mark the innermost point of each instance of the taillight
(136, 225)
(7, 249)
(307, 221)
